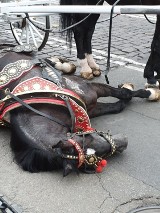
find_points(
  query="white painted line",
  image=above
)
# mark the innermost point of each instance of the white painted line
(134, 68)
(150, 17)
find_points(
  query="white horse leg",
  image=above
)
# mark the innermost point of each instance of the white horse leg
(86, 71)
(91, 62)
(63, 65)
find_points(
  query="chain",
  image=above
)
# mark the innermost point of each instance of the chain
(67, 28)
(5, 207)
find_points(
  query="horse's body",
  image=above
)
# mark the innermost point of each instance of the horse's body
(83, 36)
(39, 144)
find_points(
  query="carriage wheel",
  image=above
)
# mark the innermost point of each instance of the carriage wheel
(31, 31)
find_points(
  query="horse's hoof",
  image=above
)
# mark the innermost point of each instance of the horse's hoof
(58, 65)
(63, 60)
(155, 94)
(96, 72)
(156, 85)
(121, 142)
(129, 86)
(68, 68)
(54, 59)
(87, 75)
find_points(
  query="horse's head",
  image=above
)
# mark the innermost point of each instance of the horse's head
(87, 150)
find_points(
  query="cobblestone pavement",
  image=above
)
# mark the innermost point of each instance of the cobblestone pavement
(131, 179)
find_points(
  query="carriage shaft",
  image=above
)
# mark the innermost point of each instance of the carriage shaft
(136, 9)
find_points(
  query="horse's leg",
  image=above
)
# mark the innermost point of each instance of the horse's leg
(104, 90)
(153, 61)
(79, 34)
(124, 93)
(88, 52)
(107, 108)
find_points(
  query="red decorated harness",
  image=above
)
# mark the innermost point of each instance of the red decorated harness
(35, 89)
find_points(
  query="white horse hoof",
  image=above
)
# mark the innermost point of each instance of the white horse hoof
(87, 75)
(155, 94)
(96, 72)
(68, 67)
(54, 59)
(147, 85)
(58, 65)
(129, 86)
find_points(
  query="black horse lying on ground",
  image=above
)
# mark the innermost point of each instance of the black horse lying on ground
(83, 36)
(48, 114)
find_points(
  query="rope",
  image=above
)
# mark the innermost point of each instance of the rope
(68, 28)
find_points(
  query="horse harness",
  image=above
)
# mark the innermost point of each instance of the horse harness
(39, 90)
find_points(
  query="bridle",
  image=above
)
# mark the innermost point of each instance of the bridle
(80, 120)
(89, 160)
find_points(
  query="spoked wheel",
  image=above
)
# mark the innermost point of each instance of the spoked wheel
(31, 30)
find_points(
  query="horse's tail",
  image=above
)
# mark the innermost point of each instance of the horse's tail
(66, 20)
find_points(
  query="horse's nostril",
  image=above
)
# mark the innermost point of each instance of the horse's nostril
(121, 142)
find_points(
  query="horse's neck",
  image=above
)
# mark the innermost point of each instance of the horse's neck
(42, 130)
(61, 114)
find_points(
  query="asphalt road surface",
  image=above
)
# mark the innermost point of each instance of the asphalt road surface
(131, 179)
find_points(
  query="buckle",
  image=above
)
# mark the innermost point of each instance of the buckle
(6, 95)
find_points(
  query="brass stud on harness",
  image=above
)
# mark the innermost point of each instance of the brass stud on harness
(80, 119)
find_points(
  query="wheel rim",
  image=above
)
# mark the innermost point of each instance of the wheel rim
(27, 32)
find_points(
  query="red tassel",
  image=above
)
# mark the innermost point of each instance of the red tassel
(99, 169)
(103, 163)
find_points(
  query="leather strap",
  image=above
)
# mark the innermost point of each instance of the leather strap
(37, 111)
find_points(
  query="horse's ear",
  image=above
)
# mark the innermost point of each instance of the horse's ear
(67, 167)
(65, 146)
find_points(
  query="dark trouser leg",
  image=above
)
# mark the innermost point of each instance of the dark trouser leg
(153, 63)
